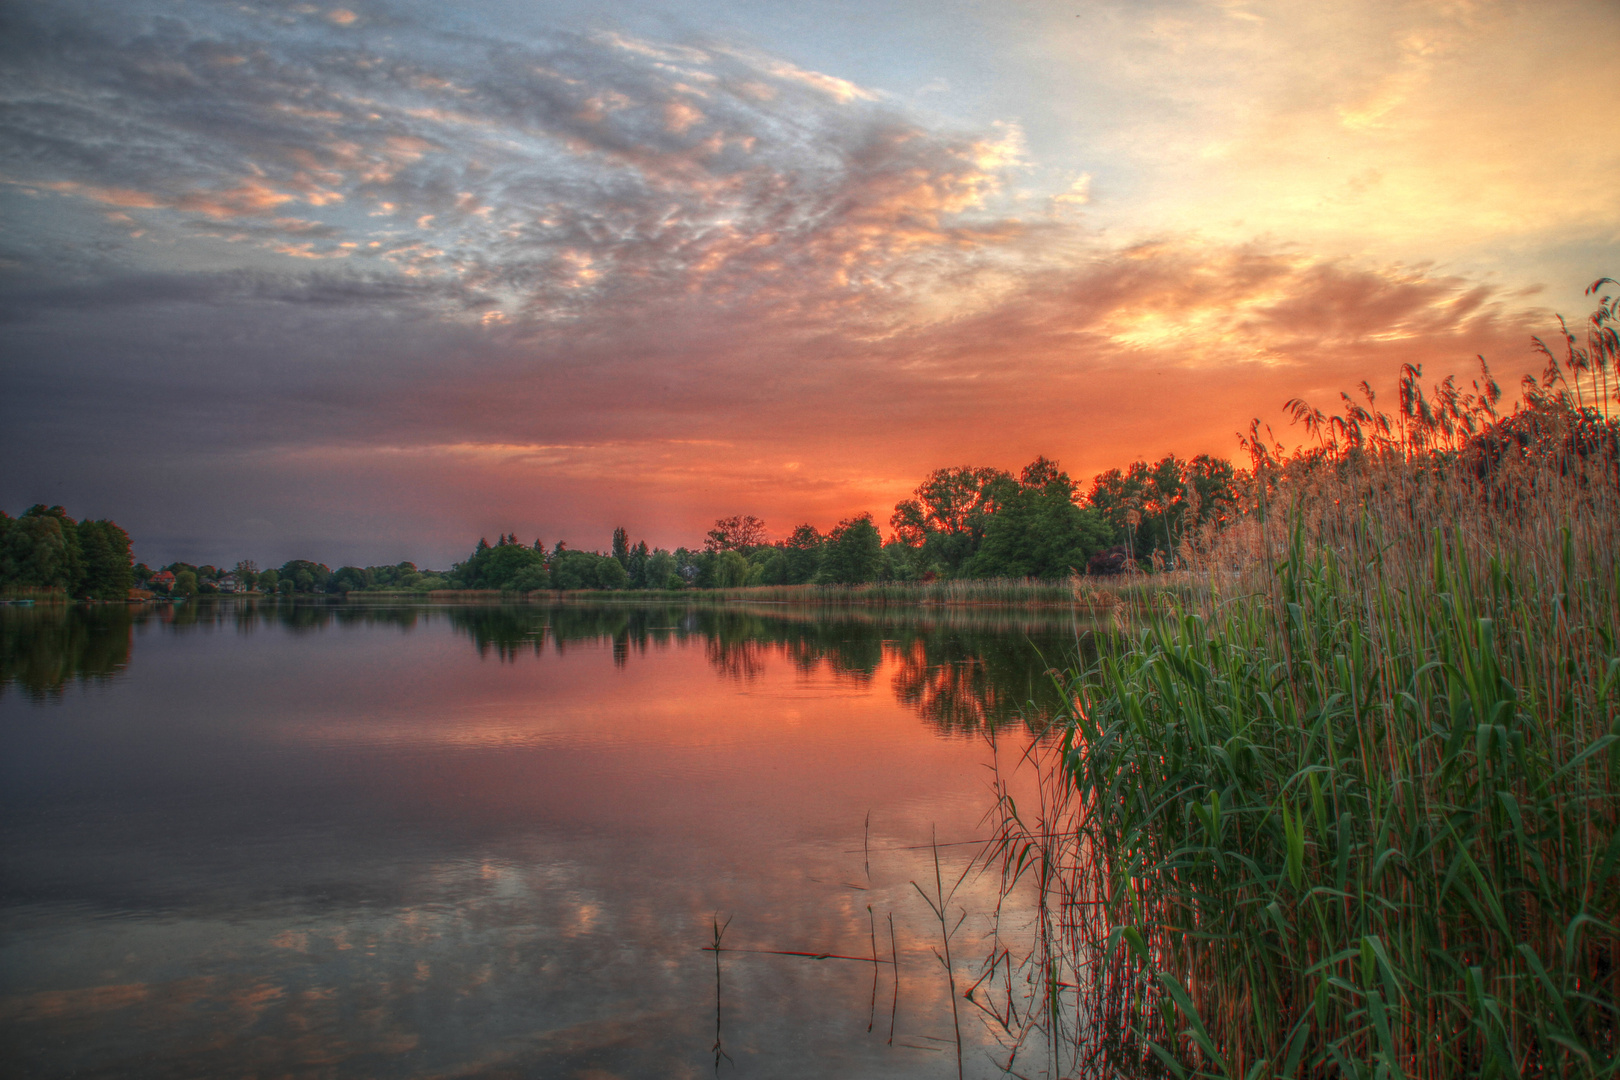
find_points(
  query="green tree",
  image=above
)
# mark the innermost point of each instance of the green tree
(773, 567)
(301, 575)
(900, 561)
(854, 552)
(587, 570)
(41, 550)
(731, 570)
(268, 580)
(500, 566)
(741, 533)
(803, 550)
(621, 547)
(1039, 532)
(1173, 497)
(636, 563)
(109, 568)
(185, 583)
(949, 512)
(611, 574)
(531, 578)
(350, 579)
(660, 571)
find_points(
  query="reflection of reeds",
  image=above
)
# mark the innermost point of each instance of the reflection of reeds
(939, 904)
(1360, 819)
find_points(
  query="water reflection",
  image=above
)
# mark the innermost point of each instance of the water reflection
(45, 648)
(348, 840)
(962, 671)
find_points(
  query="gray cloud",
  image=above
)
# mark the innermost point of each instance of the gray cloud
(276, 282)
(577, 172)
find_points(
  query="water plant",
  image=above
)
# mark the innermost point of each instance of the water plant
(1356, 815)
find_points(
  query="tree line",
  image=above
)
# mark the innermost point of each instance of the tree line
(45, 551)
(963, 522)
(967, 522)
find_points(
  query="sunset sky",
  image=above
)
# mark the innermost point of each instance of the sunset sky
(362, 283)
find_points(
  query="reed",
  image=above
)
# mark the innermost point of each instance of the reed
(1353, 812)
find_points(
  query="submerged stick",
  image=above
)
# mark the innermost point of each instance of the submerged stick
(871, 1014)
(794, 952)
(719, 1051)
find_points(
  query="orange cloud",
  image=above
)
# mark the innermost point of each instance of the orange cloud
(112, 196)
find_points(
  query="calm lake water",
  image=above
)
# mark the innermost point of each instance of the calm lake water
(350, 841)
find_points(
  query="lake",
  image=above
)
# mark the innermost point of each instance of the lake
(361, 840)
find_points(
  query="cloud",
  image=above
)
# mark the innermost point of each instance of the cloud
(354, 406)
(1394, 131)
(421, 284)
(522, 160)
(840, 90)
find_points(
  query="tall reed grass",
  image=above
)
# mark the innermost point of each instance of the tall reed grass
(1357, 816)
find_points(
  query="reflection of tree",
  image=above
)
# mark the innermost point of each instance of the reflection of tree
(958, 677)
(975, 682)
(737, 659)
(43, 649)
(960, 674)
(298, 617)
(509, 631)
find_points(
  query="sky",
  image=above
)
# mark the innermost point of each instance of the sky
(363, 282)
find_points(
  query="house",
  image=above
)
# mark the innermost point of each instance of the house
(229, 583)
(163, 581)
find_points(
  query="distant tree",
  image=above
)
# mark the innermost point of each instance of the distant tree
(742, 533)
(247, 572)
(803, 550)
(686, 564)
(269, 580)
(1039, 531)
(498, 567)
(108, 567)
(530, 578)
(1172, 498)
(900, 561)
(730, 570)
(349, 579)
(854, 552)
(773, 566)
(185, 583)
(611, 574)
(949, 512)
(301, 575)
(636, 563)
(621, 547)
(40, 550)
(660, 571)
(587, 570)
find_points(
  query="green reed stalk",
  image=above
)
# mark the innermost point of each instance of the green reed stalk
(1359, 820)
(1363, 823)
